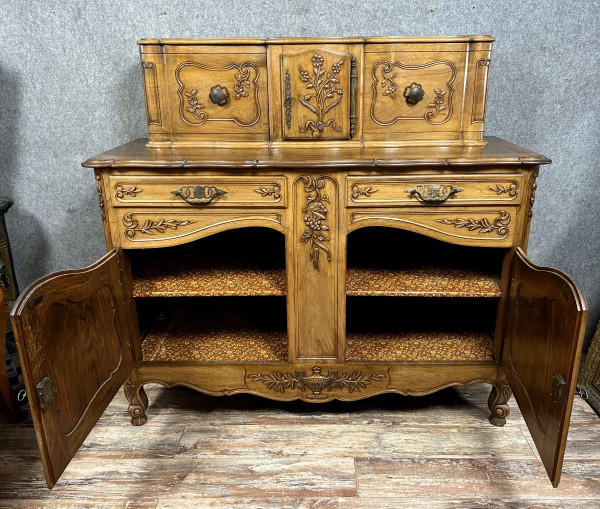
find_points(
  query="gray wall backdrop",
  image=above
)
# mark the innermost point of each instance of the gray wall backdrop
(70, 87)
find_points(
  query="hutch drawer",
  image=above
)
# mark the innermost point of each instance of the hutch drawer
(433, 89)
(434, 189)
(210, 191)
(197, 92)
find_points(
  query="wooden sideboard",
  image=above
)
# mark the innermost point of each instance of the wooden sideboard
(275, 239)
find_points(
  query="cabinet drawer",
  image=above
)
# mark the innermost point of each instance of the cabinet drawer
(195, 91)
(427, 190)
(200, 192)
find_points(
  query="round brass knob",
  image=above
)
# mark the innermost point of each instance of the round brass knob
(414, 93)
(219, 95)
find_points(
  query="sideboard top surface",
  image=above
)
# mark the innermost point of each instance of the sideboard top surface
(317, 40)
(136, 154)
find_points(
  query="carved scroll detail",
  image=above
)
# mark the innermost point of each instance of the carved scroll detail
(387, 81)
(242, 82)
(498, 403)
(324, 85)
(151, 91)
(100, 195)
(357, 191)
(480, 94)
(138, 402)
(437, 104)
(534, 176)
(499, 225)
(121, 191)
(195, 107)
(315, 213)
(316, 383)
(288, 99)
(132, 226)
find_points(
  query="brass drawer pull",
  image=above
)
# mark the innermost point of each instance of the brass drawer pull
(433, 193)
(199, 195)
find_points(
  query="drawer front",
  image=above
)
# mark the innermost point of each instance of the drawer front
(427, 92)
(207, 90)
(427, 190)
(477, 226)
(413, 90)
(209, 192)
(149, 228)
(317, 84)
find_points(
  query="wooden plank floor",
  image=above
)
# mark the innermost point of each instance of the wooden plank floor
(385, 452)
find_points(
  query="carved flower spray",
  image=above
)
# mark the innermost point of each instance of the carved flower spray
(325, 86)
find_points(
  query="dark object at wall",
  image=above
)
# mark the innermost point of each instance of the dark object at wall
(589, 379)
(12, 387)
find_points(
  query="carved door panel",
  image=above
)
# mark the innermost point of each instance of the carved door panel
(318, 87)
(546, 322)
(75, 352)
(221, 90)
(411, 91)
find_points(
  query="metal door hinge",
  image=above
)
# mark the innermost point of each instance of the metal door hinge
(559, 390)
(45, 392)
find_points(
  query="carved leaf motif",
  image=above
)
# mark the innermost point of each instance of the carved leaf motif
(500, 224)
(150, 227)
(309, 106)
(511, 190)
(353, 382)
(275, 191)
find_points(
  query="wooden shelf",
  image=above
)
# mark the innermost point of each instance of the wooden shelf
(422, 282)
(208, 281)
(212, 337)
(419, 346)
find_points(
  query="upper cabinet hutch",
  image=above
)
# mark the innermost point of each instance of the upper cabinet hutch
(310, 219)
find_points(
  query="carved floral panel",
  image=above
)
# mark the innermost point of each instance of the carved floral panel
(316, 89)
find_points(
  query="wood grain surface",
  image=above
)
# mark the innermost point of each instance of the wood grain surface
(436, 451)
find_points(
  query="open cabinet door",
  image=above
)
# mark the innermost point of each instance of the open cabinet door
(546, 323)
(75, 353)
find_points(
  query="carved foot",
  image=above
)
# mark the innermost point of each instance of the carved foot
(498, 404)
(138, 402)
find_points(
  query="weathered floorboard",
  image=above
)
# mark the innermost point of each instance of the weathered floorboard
(432, 452)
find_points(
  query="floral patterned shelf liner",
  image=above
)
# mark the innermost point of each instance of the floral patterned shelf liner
(210, 282)
(186, 337)
(225, 281)
(419, 346)
(423, 281)
(182, 340)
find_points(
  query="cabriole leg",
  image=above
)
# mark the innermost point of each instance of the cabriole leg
(498, 403)
(138, 402)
